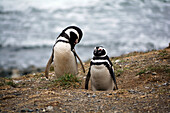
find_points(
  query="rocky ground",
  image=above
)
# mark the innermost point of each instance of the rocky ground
(143, 80)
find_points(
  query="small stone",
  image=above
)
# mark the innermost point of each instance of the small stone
(93, 96)
(117, 61)
(98, 101)
(110, 93)
(137, 77)
(159, 85)
(49, 108)
(146, 87)
(118, 75)
(156, 61)
(30, 110)
(113, 107)
(165, 84)
(23, 110)
(27, 110)
(132, 91)
(44, 110)
(154, 73)
(147, 72)
(88, 95)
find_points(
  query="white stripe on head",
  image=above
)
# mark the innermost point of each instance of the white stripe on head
(62, 38)
(72, 30)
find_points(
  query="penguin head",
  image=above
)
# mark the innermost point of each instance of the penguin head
(73, 34)
(99, 51)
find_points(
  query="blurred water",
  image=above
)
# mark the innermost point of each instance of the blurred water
(28, 28)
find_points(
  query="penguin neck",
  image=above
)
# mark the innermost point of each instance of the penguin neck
(99, 57)
(63, 39)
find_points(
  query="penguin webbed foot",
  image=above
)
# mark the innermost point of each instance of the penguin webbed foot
(46, 77)
(115, 88)
(86, 87)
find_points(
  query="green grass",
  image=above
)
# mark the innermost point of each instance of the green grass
(11, 83)
(156, 68)
(163, 53)
(67, 81)
(118, 72)
(7, 81)
(141, 72)
(52, 68)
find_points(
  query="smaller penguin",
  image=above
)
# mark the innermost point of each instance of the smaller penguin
(101, 71)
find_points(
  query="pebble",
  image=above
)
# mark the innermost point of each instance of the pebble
(36, 109)
(132, 91)
(117, 61)
(44, 110)
(113, 107)
(17, 81)
(146, 87)
(93, 96)
(147, 72)
(27, 110)
(165, 84)
(49, 108)
(154, 73)
(98, 101)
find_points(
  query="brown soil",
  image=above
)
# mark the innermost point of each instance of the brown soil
(142, 78)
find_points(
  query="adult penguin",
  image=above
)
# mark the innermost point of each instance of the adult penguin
(63, 52)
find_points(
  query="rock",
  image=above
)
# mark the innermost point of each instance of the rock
(117, 61)
(165, 84)
(17, 81)
(147, 72)
(146, 87)
(94, 96)
(49, 108)
(27, 110)
(36, 109)
(110, 93)
(154, 73)
(132, 91)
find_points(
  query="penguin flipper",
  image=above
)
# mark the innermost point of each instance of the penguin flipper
(48, 66)
(112, 74)
(87, 79)
(114, 78)
(109, 60)
(79, 60)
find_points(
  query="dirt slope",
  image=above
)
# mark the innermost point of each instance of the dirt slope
(143, 81)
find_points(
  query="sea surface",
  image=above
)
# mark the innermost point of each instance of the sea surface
(29, 28)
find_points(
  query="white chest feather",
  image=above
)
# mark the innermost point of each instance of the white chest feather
(64, 59)
(101, 78)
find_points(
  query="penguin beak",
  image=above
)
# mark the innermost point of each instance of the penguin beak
(99, 49)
